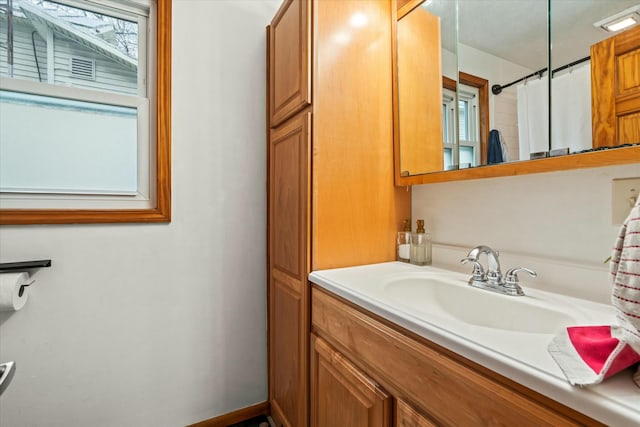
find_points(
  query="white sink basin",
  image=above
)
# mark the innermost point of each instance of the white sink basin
(447, 297)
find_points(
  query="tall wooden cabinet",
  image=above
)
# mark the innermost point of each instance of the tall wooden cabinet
(332, 200)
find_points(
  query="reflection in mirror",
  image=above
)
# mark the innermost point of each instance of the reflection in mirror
(514, 47)
(422, 106)
(505, 46)
(611, 62)
(418, 93)
(447, 12)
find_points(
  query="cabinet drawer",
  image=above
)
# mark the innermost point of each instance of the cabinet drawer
(450, 392)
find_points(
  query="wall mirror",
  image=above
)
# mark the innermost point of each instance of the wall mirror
(502, 118)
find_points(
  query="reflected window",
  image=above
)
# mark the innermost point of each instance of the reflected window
(468, 153)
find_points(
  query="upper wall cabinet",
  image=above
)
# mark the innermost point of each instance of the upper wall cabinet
(553, 86)
(290, 44)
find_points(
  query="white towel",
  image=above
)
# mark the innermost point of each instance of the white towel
(589, 354)
(625, 274)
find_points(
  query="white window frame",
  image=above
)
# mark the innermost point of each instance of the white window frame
(450, 101)
(145, 198)
(471, 95)
(449, 120)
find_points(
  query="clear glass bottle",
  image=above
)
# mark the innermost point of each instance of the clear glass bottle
(420, 246)
(403, 252)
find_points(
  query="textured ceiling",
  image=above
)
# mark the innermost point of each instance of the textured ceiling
(516, 30)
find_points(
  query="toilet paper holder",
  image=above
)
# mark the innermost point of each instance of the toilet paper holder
(22, 266)
(21, 291)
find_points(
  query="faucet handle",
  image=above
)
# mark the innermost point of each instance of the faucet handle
(478, 271)
(511, 278)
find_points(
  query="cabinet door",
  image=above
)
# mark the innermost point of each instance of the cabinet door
(343, 396)
(407, 416)
(615, 89)
(290, 59)
(288, 269)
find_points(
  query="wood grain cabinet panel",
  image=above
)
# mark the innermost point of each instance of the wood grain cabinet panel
(342, 395)
(448, 388)
(290, 50)
(289, 182)
(629, 128)
(419, 94)
(407, 416)
(288, 268)
(628, 68)
(332, 201)
(288, 367)
(615, 89)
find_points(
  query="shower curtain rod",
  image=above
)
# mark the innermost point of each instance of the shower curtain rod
(497, 89)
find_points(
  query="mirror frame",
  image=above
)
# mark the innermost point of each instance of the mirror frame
(593, 159)
(162, 211)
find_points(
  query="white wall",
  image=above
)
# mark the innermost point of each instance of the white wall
(558, 223)
(160, 325)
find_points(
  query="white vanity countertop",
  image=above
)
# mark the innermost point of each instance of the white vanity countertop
(520, 356)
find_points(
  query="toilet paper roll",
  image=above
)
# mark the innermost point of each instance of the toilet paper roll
(10, 284)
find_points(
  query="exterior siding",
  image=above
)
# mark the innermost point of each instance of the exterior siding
(110, 76)
(24, 64)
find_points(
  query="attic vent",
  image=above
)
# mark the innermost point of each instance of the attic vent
(82, 68)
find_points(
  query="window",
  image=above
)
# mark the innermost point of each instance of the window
(448, 128)
(469, 133)
(94, 75)
(471, 116)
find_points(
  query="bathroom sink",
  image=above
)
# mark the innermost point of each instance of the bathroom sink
(453, 299)
(431, 297)
(506, 334)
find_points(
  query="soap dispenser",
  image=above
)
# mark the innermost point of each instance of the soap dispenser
(404, 242)
(420, 253)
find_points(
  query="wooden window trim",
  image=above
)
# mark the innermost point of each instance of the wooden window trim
(162, 211)
(483, 99)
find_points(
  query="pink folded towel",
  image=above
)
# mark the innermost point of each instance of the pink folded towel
(589, 354)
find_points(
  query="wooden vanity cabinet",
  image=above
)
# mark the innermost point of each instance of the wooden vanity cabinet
(444, 388)
(331, 197)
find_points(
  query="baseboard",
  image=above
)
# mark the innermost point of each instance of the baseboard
(235, 416)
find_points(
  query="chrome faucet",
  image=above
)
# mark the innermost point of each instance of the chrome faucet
(493, 275)
(492, 279)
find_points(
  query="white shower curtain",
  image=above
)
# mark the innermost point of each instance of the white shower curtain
(533, 117)
(571, 113)
(571, 110)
